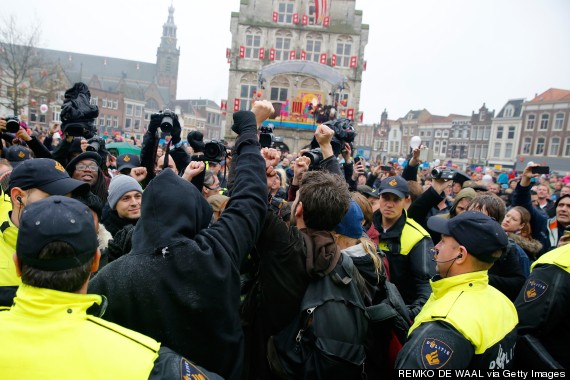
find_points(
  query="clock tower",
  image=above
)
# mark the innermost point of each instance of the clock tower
(168, 56)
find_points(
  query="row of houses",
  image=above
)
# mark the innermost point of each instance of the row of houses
(523, 131)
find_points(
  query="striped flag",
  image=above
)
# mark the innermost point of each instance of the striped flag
(321, 10)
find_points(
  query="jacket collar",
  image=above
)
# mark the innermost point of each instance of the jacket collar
(466, 281)
(48, 303)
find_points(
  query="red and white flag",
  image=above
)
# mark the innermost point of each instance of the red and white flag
(361, 118)
(321, 10)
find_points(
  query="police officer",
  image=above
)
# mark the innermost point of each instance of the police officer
(544, 304)
(48, 333)
(465, 323)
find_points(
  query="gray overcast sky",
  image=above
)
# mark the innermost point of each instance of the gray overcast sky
(448, 56)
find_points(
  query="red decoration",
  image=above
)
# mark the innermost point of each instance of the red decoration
(292, 55)
(305, 20)
(333, 60)
(228, 53)
(343, 102)
(361, 117)
(323, 59)
(272, 54)
(327, 21)
(364, 66)
(236, 104)
(275, 16)
(350, 113)
(295, 18)
(242, 51)
(303, 55)
(353, 62)
(262, 53)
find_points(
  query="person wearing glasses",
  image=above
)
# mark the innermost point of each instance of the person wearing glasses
(87, 168)
(211, 184)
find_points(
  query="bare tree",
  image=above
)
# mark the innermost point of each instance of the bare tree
(19, 59)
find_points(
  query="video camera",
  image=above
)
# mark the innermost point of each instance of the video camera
(96, 144)
(266, 136)
(77, 113)
(12, 124)
(449, 174)
(316, 156)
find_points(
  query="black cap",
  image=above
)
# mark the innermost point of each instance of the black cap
(395, 185)
(47, 175)
(128, 161)
(93, 156)
(16, 154)
(56, 219)
(478, 233)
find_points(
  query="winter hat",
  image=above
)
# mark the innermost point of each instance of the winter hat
(119, 186)
(351, 223)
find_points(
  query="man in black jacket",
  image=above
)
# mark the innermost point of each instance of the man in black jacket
(286, 262)
(180, 284)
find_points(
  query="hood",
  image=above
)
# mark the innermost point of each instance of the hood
(172, 209)
(529, 245)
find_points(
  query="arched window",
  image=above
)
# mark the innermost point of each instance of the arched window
(544, 121)
(252, 43)
(248, 87)
(539, 150)
(343, 51)
(530, 121)
(554, 146)
(527, 143)
(282, 45)
(314, 47)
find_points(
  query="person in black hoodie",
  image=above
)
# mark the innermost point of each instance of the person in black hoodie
(180, 284)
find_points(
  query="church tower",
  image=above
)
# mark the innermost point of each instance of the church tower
(168, 56)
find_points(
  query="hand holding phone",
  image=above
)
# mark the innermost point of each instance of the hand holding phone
(540, 170)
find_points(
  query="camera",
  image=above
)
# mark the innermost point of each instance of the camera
(96, 144)
(214, 151)
(443, 173)
(316, 156)
(266, 136)
(12, 124)
(167, 122)
(79, 129)
(343, 133)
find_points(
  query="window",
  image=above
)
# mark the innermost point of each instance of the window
(499, 132)
(511, 134)
(343, 51)
(558, 121)
(137, 125)
(438, 133)
(544, 121)
(480, 133)
(443, 147)
(129, 110)
(138, 111)
(465, 134)
(497, 150)
(109, 121)
(484, 152)
(436, 146)
(487, 133)
(282, 46)
(128, 123)
(94, 100)
(567, 147)
(278, 94)
(314, 46)
(115, 121)
(101, 120)
(115, 104)
(508, 150)
(508, 111)
(104, 103)
(539, 149)
(477, 153)
(530, 122)
(252, 43)
(527, 143)
(445, 134)
(246, 92)
(554, 146)
(405, 133)
(285, 12)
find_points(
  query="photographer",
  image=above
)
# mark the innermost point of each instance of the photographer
(21, 134)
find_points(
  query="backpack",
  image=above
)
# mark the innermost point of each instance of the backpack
(326, 340)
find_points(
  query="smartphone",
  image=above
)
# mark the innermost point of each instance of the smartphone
(356, 159)
(385, 168)
(540, 170)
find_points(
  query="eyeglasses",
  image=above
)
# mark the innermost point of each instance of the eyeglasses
(83, 167)
(212, 188)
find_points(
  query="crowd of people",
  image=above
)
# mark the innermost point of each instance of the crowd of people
(167, 265)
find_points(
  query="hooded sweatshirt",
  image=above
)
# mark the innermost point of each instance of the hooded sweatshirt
(180, 284)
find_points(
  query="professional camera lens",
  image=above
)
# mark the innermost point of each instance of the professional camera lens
(12, 124)
(167, 121)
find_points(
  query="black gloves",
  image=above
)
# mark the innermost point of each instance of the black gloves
(244, 122)
(176, 130)
(122, 242)
(196, 141)
(154, 124)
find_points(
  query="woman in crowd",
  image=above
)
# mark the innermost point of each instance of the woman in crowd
(517, 225)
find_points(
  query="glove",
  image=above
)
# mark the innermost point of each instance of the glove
(154, 124)
(196, 141)
(122, 242)
(244, 122)
(176, 130)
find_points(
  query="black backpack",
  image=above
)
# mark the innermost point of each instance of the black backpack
(326, 340)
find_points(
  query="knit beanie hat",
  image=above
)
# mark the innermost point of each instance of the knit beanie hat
(351, 223)
(119, 186)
